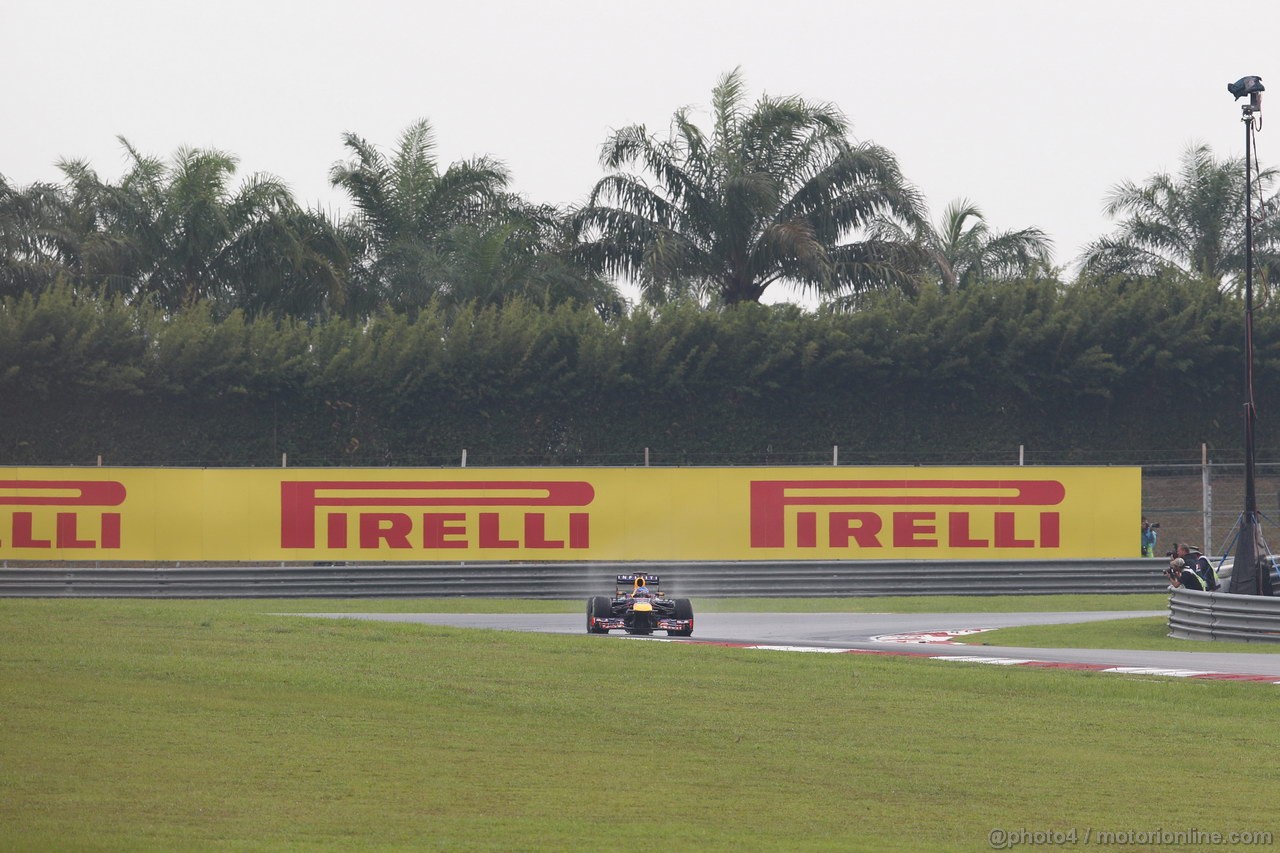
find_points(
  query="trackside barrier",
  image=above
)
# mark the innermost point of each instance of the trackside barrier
(1195, 615)
(578, 580)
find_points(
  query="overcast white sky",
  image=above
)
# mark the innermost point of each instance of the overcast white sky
(1034, 110)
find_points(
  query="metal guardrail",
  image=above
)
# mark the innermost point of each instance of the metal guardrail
(1195, 615)
(578, 580)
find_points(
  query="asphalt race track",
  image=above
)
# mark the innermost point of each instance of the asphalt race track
(882, 632)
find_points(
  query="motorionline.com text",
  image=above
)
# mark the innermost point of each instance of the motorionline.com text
(1007, 839)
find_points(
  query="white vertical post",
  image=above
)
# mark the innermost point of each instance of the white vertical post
(1021, 456)
(646, 457)
(464, 457)
(1206, 498)
(284, 463)
(835, 455)
(99, 460)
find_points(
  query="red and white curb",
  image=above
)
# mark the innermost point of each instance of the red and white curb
(927, 636)
(994, 661)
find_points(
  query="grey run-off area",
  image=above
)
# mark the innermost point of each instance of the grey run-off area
(857, 630)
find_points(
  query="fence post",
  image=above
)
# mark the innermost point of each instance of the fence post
(464, 457)
(1206, 496)
(835, 456)
(646, 457)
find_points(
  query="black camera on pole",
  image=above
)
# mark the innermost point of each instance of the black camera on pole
(1251, 86)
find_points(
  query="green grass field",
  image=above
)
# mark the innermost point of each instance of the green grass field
(199, 724)
(1148, 633)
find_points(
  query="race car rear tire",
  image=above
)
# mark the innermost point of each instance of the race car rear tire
(597, 607)
(684, 610)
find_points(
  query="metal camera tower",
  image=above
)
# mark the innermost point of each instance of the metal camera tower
(1251, 574)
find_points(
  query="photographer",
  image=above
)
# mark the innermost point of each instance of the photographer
(1181, 575)
(1200, 564)
(1149, 538)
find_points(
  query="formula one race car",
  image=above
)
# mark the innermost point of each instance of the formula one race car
(638, 607)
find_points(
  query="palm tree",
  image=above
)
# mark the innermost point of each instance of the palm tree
(961, 249)
(1192, 222)
(406, 205)
(69, 230)
(526, 255)
(773, 195)
(196, 230)
(295, 264)
(180, 233)
(30, 237)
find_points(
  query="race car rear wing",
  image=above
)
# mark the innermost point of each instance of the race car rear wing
(627, 583)
(630, 580)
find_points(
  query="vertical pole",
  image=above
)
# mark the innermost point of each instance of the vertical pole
(284, 463)
(646, 457)
(835, 456)
(464, 457)
(1251, 574)
(1206, 498)
(1021, 450)
(1250, 413)
(99, 460)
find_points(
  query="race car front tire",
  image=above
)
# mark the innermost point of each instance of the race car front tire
(597, 607)
(684, 610)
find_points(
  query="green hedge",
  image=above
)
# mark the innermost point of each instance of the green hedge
(1118, 371)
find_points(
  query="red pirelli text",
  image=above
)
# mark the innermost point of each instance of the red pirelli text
(978, 514)
(59, 514)
(372, 515)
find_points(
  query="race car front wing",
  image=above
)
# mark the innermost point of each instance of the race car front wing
(612, 623)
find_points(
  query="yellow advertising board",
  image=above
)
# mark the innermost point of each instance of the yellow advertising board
(677, 514)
